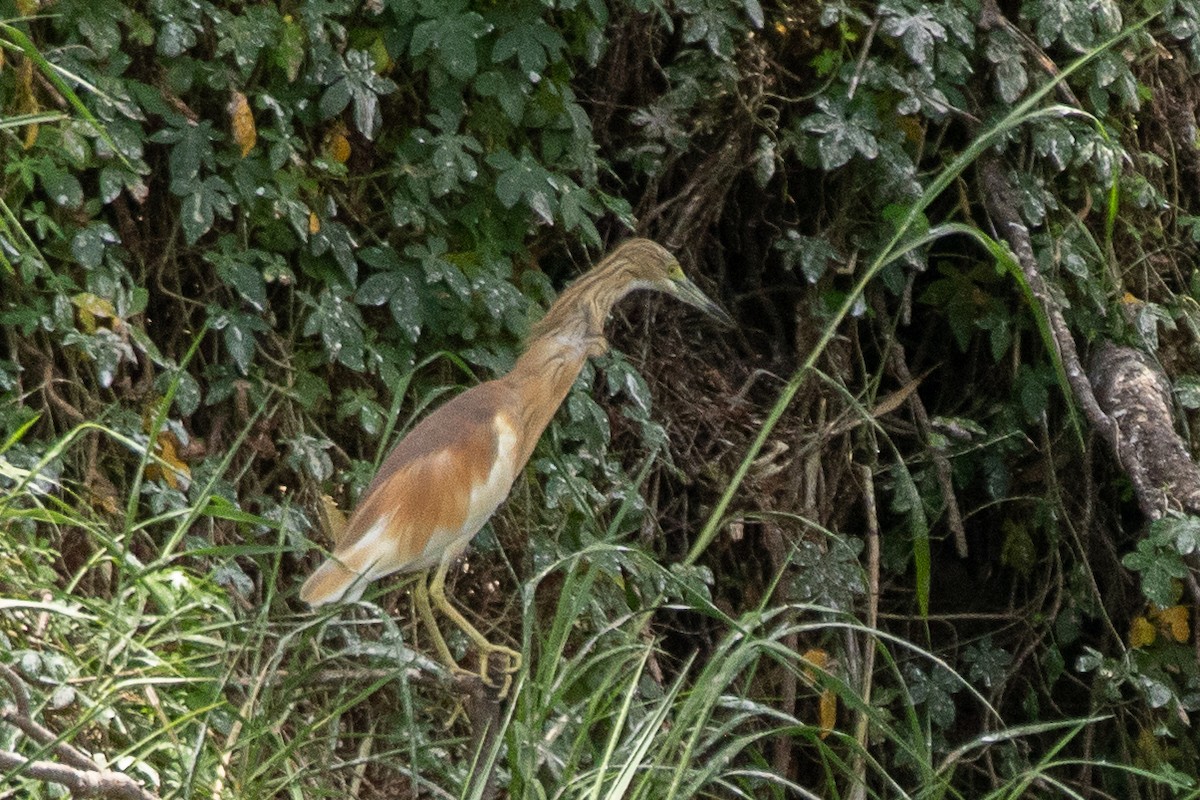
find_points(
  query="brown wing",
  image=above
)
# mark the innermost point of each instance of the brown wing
(429, 475)
(424, 489)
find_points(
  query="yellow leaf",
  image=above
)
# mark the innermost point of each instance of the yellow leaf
(817, 657)
(336, 145)
(827, 702)
(380, 55)
(827, 712)
(241, 122)
(1174, 622)
(314, 222)
(332, 518)
(169, 466)
(1141, 632)
(91, 308)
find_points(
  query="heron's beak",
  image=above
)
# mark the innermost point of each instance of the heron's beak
(689, 293)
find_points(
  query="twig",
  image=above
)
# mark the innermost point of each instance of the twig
(80, 774)
(941, 463)
(1001, 202)
(858, 764)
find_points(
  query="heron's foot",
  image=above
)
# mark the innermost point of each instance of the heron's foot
(512, 665)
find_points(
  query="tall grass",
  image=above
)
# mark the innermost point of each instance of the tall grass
(199, 690)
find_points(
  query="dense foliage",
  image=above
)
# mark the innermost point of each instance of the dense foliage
(862, 546)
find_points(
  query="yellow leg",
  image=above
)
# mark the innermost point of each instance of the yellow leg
(437, 590)
(421, 596)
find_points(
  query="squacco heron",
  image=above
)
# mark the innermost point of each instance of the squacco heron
(444, 479)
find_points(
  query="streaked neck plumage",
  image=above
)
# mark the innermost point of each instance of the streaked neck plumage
(570, 333)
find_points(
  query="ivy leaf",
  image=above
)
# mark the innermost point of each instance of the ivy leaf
(437, 269)
(451, 33)
(357, 82)
(1160, 569)
(245, 35)
(843, 129)
(533, 42)
(87, 246)
(207, 200)
(453, 162)
(340, 325)
(396, 284)
(238, 330)
(524, 179)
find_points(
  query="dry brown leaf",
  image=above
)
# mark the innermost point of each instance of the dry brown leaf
(241, 123)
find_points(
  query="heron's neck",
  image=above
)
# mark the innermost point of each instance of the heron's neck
(580, 311)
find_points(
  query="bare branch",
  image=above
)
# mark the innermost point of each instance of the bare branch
(80, 774)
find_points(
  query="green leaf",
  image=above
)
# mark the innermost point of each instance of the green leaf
(63, 188)
(398, 285)
(334, 238)
(814, 255)
(533, 42)
(452, 34)
(1160, 569)
(843, 128)
(310, 455)
(1008, 65)
(453, 163)
(340, 325)
(207, 200)
(245, 35)
(524, 179)
(508, 89)
(238, 331)
(1187, 389)
(917, 29)
(437, 269)
(88, 244)
(246, 279)
(192, 149)
(754, 11)
(288, 53)
(1180, 532)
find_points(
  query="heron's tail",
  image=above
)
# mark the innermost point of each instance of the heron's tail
(332, 582)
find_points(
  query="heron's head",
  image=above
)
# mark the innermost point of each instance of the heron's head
(648, 265)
